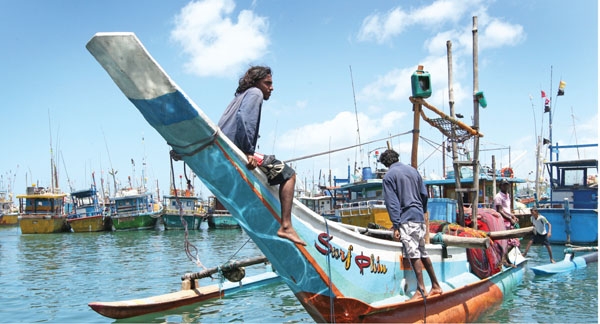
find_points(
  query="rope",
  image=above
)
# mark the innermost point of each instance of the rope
(203, 144)
(346, 148)
(331, 303)
(188, 247)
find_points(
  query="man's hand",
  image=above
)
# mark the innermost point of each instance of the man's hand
(252, 163)
(397, 235)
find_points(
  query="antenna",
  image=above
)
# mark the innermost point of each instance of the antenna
(575, 132)
(112, 171)
(357, 125)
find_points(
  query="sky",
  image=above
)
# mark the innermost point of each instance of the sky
(341, 73)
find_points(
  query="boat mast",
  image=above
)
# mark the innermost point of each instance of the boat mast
(456, 167)
(475, 125)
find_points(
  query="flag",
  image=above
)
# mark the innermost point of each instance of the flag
(561, 88)
(546, 102)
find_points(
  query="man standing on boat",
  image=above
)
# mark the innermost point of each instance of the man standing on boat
(406, 202)
(240, 123)
(502, 205)
(540, 234)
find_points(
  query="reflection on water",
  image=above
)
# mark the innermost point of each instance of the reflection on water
(52, 278)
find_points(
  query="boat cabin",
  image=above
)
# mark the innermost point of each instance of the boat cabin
(575, 181)
(489, 185)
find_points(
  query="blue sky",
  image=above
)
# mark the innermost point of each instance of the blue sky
(56, 94)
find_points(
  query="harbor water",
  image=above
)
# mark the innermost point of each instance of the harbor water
(53, 277)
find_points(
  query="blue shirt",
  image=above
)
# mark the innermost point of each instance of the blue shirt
(405, 194)
(241, 120)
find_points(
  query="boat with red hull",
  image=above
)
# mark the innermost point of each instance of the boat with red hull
(343, 274)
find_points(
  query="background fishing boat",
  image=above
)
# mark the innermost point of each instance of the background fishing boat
(133, 209)
(9, 213)
(573, 206)
(183, 205)
(320, 204)
(341, 275)
(182, 209)
(43, 211)
(88, 214)
(218, 216)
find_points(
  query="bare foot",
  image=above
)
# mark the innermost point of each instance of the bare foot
(435, 291)
(291, 235)
(552, 260)
(417, 295)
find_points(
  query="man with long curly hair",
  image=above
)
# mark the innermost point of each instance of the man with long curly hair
(240, 123)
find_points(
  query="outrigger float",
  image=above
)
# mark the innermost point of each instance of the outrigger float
(342, 275)
(191, 291)
(570, 262)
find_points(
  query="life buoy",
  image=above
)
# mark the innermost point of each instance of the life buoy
(507, 173)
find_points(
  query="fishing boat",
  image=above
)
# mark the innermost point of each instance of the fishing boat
(342, 275)
(573, 206)
(218, 215)
(88, 214)
(182, 209)
(134, 209)
(9, 213)
(43, 211)
(320, 204)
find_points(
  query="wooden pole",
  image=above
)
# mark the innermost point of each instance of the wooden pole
(458, 194)
(475, 204)
(415, 148)
(415, 137)
(225, 267)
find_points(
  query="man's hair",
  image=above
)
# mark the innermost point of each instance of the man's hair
(388, 158)
(252, 76)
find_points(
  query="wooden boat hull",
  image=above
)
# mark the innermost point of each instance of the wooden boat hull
(173, 221)
(88, 224)
(337, 266)
(465, 304)
(222, 221)
(137, 307)
(134, 222)
(9, 219)
(43, 225)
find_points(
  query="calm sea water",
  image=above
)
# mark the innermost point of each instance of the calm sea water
(52, 278)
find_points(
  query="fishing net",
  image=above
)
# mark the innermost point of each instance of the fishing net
(449, 129)
(484, 262)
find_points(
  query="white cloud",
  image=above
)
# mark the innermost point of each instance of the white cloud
(217, 45)
(382, 27)
(499, 34)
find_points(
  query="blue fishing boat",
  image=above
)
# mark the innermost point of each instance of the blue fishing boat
(218, 216)
(88, 214)
(342, 275)
(181, 209)
(573, 206)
